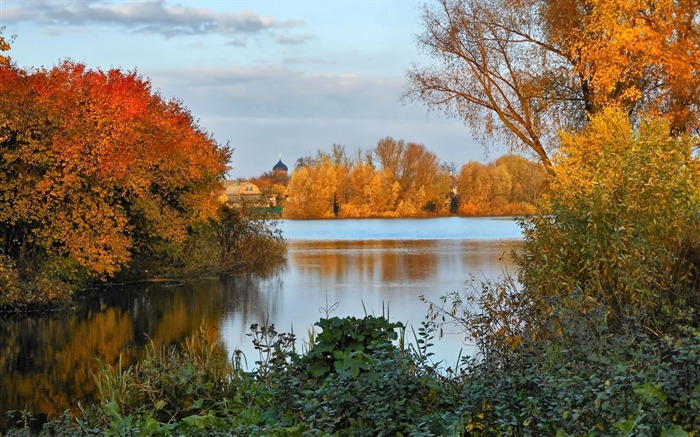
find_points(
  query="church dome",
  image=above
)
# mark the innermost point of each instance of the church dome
(280, 166)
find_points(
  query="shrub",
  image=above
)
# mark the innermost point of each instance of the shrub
(247, 240)
(239, 240)
(589, 381)
(619, 226)
(192, 384)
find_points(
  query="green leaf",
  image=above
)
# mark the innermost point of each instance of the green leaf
(674, 431)
(651, 390)
(318, 369)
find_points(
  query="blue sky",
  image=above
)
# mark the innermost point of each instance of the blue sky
(268, 77)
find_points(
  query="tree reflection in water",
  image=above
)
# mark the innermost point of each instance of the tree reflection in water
(47, 363)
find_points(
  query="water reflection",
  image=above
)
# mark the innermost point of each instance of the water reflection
(395, 262)
(373, 276)
(47, 363)
(251, 300)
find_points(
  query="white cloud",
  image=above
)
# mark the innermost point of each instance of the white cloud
(153, 17)
(265, 111)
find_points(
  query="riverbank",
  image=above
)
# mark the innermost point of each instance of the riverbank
(233, 242)
(365, 376)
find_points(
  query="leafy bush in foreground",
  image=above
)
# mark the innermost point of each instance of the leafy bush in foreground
(594, 382)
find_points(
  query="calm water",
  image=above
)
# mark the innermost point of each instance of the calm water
(347, 266)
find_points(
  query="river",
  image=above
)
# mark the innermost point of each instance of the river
(336, 267)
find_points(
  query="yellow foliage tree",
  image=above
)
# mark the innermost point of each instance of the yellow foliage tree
(408, 181)
(311, 190)
(520, 71)
(508, 186)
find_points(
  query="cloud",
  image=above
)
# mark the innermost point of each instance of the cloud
(291, 60)
(154, 17)
(267, 110)
(293, 39)
(276, 91)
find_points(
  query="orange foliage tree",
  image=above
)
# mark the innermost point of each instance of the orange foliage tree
(96, 168)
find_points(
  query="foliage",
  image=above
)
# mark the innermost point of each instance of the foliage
(312, 191)
(248, 240)
(619, 226)
(4, 46)
(239, 240)
(496, 316)
(518, 72)
(395, 179)
(169, 383)
(510, 185)
(345, 346)
(399, 179)
(95, 169)
(590, 381)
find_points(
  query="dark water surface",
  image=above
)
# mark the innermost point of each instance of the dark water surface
(348, 266)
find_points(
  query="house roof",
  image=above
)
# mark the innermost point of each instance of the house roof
(235, 188)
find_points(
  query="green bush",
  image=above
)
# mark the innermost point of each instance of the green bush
(590, 381)
(593, 382)
(193, 384)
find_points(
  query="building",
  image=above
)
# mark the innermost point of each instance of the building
(238, 192)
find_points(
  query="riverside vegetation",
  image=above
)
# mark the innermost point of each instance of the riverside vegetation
(405, 179)
(601, 339)
(103, 180)
(597, 334)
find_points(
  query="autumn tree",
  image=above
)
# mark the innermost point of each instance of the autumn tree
(364, 184)
(528, 178)
(508, 186)
(312, 190)
(518, 72)
(396, 178)
(4, 47)
(96, 168)
(474, 189)
(423, 182)
(373, 192)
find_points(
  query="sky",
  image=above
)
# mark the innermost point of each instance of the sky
(270, 78)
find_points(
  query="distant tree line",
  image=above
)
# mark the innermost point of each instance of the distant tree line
(508, 186)
(405, 179)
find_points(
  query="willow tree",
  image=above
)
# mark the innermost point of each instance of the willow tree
(518, 71)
